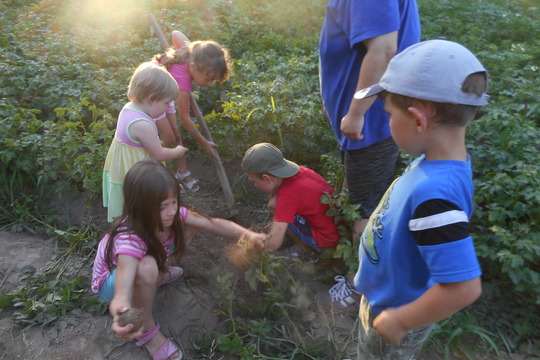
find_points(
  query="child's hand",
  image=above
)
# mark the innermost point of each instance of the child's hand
(209, 147)
(182, 150)
(258, 240)
(250, 244)
(123, 332)
(388, 327)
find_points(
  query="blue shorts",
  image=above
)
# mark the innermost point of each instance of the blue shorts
(301, 228)
(106, 291)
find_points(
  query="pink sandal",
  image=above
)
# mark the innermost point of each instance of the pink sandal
(174, 273)
(165, 350)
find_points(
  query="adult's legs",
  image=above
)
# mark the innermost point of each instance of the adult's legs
(369, 172)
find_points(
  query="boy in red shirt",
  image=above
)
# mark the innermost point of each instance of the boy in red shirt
(294, 198)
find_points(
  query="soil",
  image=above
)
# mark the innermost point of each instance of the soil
(184, 308)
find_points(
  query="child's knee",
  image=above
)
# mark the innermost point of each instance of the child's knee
(147, 271)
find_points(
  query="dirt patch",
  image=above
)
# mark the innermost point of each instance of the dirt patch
(184, 308)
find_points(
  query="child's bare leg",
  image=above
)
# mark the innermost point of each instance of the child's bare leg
(189, 181)
(182, 168)
(144, 293)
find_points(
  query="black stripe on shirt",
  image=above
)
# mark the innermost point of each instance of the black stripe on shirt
(439, 221)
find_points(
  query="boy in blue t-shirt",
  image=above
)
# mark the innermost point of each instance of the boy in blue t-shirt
(417, 260)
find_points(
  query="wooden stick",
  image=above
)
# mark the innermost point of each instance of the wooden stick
(224, 181)
(222, 176)
(161, 37)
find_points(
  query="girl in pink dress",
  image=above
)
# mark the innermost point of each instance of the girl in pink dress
(150, 91)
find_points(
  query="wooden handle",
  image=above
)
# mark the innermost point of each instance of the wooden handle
(161, 37)
(222, 176)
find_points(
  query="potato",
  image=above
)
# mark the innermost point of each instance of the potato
(131, 316)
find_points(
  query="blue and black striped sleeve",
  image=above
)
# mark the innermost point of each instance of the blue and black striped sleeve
(439, 221)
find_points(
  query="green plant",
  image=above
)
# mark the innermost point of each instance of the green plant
(459, 334)
(57, 293)
(345, 215)
(269, 312)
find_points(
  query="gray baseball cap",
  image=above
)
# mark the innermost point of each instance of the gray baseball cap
(432, 70)
(267, 158)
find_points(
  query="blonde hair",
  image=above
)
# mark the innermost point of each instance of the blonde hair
(207, 55)
(151, 82)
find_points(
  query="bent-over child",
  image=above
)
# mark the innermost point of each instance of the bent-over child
(150, 91)
(200, 62)
(294, 198)
(137, 254)
(417, 263)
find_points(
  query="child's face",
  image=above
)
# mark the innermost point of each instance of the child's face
(404, 129)
(156, 108)
(202, 77)
(265, 183)
(168, 210)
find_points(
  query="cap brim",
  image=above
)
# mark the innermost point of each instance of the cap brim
(287, 170)
(368, 92)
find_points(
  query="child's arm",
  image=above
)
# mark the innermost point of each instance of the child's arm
(380, 50)
(184, 103)
(145, 133)
(276, 236)
(436, 304)
(221, 227)
(123, 292)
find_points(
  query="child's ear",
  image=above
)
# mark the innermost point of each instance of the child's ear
(421, 116)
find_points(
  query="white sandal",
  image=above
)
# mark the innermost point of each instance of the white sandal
(192, 185)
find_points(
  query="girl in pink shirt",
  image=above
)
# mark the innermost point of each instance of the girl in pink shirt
(137, 255)
(201, 62)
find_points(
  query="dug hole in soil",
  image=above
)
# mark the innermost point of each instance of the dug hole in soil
(183, 308)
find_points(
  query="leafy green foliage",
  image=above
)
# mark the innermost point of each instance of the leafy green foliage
(345, 215)
(55, 294)
(270, 313)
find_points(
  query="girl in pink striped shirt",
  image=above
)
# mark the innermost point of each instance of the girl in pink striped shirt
(135, 257)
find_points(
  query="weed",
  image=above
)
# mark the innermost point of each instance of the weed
(57, 293)
(459, 334)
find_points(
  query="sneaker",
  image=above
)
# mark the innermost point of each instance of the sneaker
(341, 296)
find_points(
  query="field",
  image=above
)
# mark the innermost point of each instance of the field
(65, 66)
